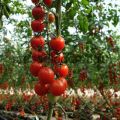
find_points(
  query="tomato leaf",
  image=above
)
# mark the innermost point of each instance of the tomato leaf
(85, 2)
(83, 23)
(115, 20)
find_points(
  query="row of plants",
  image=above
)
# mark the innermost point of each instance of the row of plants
(70, 105)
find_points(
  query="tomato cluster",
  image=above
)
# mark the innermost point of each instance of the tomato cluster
(50, 80)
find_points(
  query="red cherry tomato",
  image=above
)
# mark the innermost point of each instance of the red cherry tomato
(41, 89)
(35, 68)
(46, 75)
(37, 42)
(51, 17)
(38, 12)
(35, 1)
(61, 70)
(48, 2)
(58, 87)
(57, 58)
(37, 26)
(39, 55)
(57, 43)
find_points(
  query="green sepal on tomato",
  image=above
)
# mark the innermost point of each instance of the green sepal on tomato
(52, 99)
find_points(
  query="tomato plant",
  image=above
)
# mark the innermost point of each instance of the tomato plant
(69, 45)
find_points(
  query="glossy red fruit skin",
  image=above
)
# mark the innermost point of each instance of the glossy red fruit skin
(48, 2)
(51, 17)
(46, 75)
(41, 90)
(57, 43)
(35, 68)
(39, 56)
(61, 70)
(58, 87)
(38, 12)
(35, 1)
(57, 58)
(64, 81)
(37, 26)
(37, 42)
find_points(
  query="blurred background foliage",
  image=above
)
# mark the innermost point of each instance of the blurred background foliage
(86, 28)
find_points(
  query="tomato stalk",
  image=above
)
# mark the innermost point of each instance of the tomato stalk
(50, 112)
(58, 17)
(48, 28)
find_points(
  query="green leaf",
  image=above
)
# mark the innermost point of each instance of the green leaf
(115, 20)
(68, 5)
(83, 23)
(71, 13)
(6, 12)
(8, 8)
(85, 2)
(88, 11)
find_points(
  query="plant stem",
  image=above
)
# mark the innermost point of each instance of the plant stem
(47, 32)
(58, 33)
(58, 17)
(50, 112)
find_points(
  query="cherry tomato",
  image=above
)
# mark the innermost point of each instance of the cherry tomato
(37, 26)
(46, 75)
(57, 57)
(57, 43)
(38, 12)
(61, 70)
(35, 1)
(58, 87)
(41, 89)
(37, 42)
(35, 68)
(48, 2)
(39, 55)
(51, 17)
